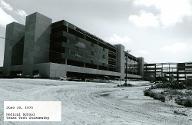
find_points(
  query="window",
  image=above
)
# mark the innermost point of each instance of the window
(103, 56)
(35, 72)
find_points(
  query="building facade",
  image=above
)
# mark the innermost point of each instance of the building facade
(168, 71)
(61, 49)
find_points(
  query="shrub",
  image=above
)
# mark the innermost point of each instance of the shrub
(171, 85)
(187, 83)
(188, 93)
(147, 92)
(179, 101)
(163, 85)
(159, 96)
(177, 85)
(154, 95)
(176, 92)
(187, 102)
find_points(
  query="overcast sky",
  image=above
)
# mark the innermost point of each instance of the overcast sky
(158, 30)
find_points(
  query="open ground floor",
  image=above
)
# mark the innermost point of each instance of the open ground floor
(55, 70)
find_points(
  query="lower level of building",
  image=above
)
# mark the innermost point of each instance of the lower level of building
(55, 71)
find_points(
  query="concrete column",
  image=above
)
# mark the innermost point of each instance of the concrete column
(141, 66)
(14, 34)
(121, 60)
(37, 41)
(66, 61)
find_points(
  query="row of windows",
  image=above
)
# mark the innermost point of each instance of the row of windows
(62, 39)
(81, 64)
(79, 33)
(60, 49)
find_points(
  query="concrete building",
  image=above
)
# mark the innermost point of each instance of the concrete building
(168, 71)
(61, 49)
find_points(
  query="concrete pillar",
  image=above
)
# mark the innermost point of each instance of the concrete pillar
(37, 41)
(121, 60)
(141, 66)
(14, 34)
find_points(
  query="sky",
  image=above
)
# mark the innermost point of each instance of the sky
(158, 30)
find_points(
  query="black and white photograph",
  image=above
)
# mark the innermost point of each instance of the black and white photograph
(95, 62)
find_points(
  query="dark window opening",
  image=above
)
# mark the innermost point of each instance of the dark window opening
(35, 72)
(91, 65)
(16, 73)
(56, 57)
(81, 76)
(103, 68)
(75, 63)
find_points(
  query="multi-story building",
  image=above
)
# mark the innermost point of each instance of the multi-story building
(61, 49)
(168, 71)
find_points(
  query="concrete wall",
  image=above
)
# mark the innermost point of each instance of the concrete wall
(17, 53)
(37, 41)
(14, 34)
